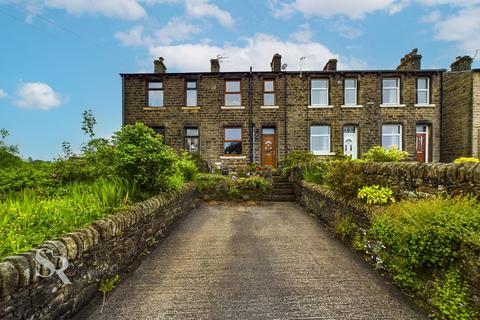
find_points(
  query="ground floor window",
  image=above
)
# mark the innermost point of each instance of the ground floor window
(192, 140)
(320, 139)
(160, 131)
(233, 141)
(392, 136)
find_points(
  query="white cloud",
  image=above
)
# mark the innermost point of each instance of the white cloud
(177, 29)
(37, 95)
(304, 34)
(462, 27)
(256, 52)
(202, 8)
(345, 29)
(3, 94)
(124, 9)
(353, 9)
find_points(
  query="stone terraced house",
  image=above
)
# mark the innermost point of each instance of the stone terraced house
(461, 111)
(261, 116)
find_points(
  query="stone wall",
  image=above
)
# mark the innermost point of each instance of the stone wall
(107, 247)
(411, 180)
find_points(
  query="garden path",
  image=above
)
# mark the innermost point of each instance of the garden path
(269, 261)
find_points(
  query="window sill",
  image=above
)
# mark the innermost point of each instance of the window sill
(324, 153)
(154, 108)
(269, 107)
(232, 107)
(351, 106)
(232, 157)
(191, 108)
(425, 105)
(319, 107)
(393, 105)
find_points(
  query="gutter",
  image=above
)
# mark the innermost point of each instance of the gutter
(250, 116)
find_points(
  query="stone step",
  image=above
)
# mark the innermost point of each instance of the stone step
(283, 192)
(282, 185)
(279, 179)
(282, 197)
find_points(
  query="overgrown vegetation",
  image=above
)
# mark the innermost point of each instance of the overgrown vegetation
(381, 154)
(40, 200)
(466, 160)
(231, 187)
(376, 195)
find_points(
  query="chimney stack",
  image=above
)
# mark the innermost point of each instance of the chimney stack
(462, 64)
(159, 65)
(276, 63)
(331, 65)
(214, 65)
(411, 61)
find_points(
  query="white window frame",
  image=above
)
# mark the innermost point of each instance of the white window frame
(400, 135)
(397, 102)
(427, 90)
(187, 89)
(239, 93)
(353, 89)
(268, 92)
(153, 89)
(329, 135)
(326, 90)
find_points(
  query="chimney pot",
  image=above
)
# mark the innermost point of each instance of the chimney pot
(159, 66)
(214, 65)
(462, 63)
(331, 65)
(276, 63)
(411, 61)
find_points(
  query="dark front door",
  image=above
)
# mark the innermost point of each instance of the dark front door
(269, 148)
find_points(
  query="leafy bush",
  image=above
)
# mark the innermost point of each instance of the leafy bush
(376, 195)
(295, 159)
(452, 298)
(345, 178)
(257, 183)
(466, 160)
(8, 153)
(381, 154)
(36, 175)
(316, 171)
(425, 234)
(346, 228)
(141, 156)
(188, 166)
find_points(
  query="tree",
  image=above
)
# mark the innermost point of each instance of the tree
(88, 123)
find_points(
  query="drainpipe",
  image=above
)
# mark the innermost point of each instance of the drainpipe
(250, 117)
(442, 142)
(123, 101)
(285, 113)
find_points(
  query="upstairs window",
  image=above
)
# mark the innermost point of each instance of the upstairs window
(191, 93)
(392, 136)
(391, 91)
(155, 94)
(233, 96)
(319, 92)
(192, 139)
(350, 92)
(423, 91)
(268, 93)
(320, 140)
(233, 141)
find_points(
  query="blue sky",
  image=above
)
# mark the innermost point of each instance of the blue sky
(60, 57)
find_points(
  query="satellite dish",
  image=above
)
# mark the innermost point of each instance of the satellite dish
(284, 66)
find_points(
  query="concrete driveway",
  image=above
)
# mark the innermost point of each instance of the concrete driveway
(269, 261)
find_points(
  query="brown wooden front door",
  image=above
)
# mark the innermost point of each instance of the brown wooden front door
(422, 143)
(269, 148)
(421, 147)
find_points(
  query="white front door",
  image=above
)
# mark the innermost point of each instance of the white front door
(350, 144)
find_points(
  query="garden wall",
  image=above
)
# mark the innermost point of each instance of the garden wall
(411, 180)
(107, 247)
